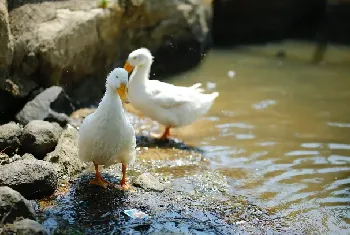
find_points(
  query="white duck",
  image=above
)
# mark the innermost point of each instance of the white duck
(106, 136)
(172, 106)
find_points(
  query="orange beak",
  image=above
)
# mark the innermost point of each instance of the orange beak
(123, 93)
(128, 67)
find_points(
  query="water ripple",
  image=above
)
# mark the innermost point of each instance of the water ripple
(245, 136)
(311, 145)
(264, 104)
(301, 153)
(337, 124)
(338, 159)
(339, 146)
(235, 125)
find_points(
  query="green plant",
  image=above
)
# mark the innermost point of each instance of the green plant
(102, 4)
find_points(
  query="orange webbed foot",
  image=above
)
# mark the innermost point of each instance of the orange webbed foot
(100, 182)
(127, 187)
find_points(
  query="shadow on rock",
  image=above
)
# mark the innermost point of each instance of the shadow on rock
(148, 141)
(89, 209)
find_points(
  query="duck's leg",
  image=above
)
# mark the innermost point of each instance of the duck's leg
(165, 134)
(98, 179)
(123, 184)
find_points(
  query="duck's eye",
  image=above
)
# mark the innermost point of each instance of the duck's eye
(134, 58)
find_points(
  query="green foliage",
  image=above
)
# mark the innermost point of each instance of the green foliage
(102, 4)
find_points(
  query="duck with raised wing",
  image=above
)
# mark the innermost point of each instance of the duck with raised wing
(170, 105)
(106, 136)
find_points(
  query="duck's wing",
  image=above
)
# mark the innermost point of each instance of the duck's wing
(167, 95)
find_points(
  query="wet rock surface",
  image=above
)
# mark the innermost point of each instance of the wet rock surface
(193, 201)
(89, 209)
(25, 227)
(40, 137)
(32, 178)
(10, 135)
(13, 205)
(149, 182)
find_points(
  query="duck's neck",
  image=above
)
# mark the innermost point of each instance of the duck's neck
(141, 73)
(112, 103)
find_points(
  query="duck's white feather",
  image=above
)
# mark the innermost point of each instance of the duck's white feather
(170, 105)
(106, 136)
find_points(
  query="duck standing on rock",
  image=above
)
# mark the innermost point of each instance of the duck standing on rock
(106, 136)
(170, 105)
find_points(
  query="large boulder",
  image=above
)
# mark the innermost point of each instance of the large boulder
(65, 156)
(178, 33)
(75, 44)
(10, 135)
(64, 42)
(40, 137)
(14, 205)
(34, 179)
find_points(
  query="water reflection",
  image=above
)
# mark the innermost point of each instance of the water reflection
(280, 130)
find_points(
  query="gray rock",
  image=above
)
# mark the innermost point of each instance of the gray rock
(14, 158)
(28, 227)
(65, 156)
(4, 159)
(28, 156)
(34, 179)
(10, 135)
(48, 105)
(13, 205)
(40, 137)
(6, 45)
(148, 182)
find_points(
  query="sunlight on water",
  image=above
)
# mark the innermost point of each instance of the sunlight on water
(280, 129)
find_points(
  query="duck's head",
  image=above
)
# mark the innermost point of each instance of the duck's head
(138, 57)
(117, 81)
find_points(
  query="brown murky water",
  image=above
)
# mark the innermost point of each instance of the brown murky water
(280, 129)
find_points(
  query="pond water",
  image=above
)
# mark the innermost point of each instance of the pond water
(280, 129)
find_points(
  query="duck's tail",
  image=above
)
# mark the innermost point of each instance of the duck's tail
(207, 102)
(214, 95)
(196, 87)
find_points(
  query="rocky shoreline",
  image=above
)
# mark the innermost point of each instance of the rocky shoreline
(171, 183)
